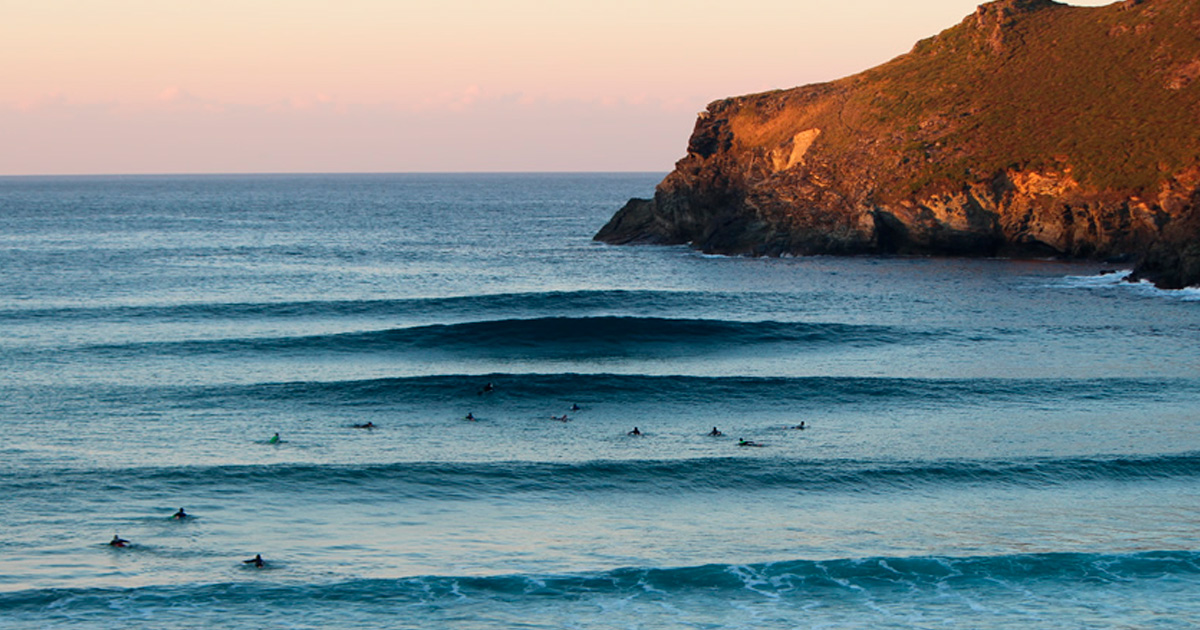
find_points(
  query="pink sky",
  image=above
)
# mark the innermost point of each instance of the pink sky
(222, 86)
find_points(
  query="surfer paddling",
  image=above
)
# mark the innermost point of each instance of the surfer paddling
(257, 561)
(117, 541)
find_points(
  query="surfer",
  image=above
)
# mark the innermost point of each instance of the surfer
(634, 432)
(745, 442)
(562, 418)
(799, 427)
(367, 425)
(257, 561)
(117, 541)
(715, 432)
(575, 407)
(274, 439)
(470, 416)
(487, 389)
(180, 515)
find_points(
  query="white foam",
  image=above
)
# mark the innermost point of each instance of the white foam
(1190, 294)
(1147, 288)
(1120, 279)
(1102, 280)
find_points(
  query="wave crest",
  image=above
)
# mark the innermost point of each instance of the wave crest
(466, 481)
(550, 337)
(801, 578)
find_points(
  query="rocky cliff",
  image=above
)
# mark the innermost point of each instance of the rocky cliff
(1032, 128)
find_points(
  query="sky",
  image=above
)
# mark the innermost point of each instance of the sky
(335, 86)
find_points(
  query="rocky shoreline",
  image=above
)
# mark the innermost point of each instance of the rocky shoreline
(1032, 128)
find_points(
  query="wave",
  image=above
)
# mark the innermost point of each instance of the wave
(465, 481)
(679, 390)
(549, 337)
(636, 393)
(799, 578)
(1119, 278)
(1110, 278)
(469, 307)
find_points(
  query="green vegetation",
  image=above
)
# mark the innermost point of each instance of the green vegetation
(1107, 92)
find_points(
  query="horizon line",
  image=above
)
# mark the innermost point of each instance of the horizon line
(324, 173)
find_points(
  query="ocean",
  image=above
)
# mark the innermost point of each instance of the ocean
(987, 443)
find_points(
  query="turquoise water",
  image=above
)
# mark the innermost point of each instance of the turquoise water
(987, 443)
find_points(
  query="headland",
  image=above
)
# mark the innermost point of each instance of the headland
(1030, 129)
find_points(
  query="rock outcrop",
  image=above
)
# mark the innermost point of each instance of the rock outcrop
(1032, 128)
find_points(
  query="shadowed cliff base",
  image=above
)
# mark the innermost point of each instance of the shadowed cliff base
(1032, 128)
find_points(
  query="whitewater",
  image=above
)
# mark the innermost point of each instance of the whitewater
(453, 369)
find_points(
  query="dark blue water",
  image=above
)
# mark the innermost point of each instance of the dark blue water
(987, 443)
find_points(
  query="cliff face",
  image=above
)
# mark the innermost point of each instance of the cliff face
(1032, 128)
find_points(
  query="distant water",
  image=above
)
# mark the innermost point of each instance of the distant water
(987, 443)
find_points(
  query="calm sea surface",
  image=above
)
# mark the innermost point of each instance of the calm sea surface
(987, 443)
